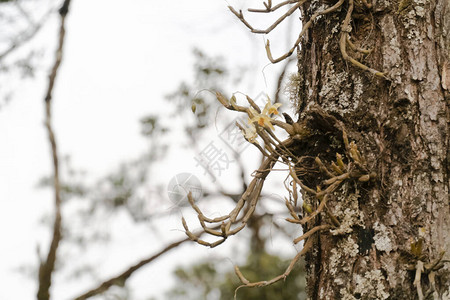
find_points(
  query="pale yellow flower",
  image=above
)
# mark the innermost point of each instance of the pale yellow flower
(271, 108)
(263, 119)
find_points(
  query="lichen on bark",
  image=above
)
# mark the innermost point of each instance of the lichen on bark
(402, 127)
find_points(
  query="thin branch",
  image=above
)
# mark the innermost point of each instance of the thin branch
(47, 267)
(25, 13)
(25, 37)
(122, 277)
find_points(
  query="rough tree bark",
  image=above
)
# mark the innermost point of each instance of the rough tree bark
(401, 126)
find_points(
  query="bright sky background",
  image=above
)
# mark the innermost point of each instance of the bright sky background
(120, 59)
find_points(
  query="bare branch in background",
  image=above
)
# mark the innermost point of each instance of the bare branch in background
(120, 279)
(27, 35)
(47, 267)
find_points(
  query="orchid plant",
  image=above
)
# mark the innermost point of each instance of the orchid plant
(300, 164)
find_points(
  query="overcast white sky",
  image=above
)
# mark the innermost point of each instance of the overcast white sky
(120, 59)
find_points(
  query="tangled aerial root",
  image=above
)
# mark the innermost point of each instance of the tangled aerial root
(349, 166)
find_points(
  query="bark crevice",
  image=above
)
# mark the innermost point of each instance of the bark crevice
(402, 127)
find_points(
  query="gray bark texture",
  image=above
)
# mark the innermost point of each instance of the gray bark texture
(401, 219)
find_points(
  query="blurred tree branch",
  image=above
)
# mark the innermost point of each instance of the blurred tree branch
(26, 35)
(47, 267)
(120, 279)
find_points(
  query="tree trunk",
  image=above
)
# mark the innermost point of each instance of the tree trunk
(401, 219)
